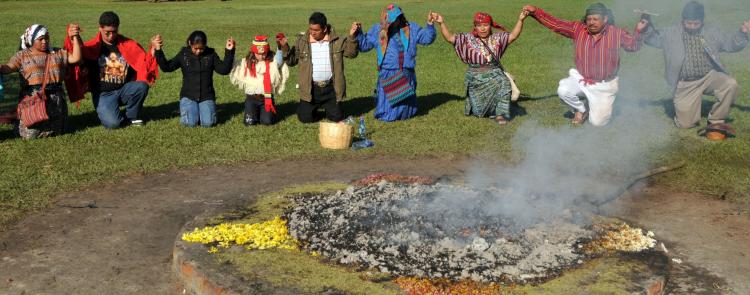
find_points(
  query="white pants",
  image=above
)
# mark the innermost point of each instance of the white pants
(600, 95)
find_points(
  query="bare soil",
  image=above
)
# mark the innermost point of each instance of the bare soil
(117, 238)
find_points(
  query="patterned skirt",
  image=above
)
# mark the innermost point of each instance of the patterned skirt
(57, 110)
(488, 92)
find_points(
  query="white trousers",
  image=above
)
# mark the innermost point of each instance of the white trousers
(600, 96)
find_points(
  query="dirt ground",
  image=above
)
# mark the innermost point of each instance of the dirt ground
(123, 245)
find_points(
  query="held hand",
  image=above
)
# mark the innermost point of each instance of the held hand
(281, 41)
(230, 43)
(523, 15)
(356, 26)
(156, 42)
(430, 17)
(642, 25)
(73, 30)
(438, 18)
(745, 27)
(530, 9)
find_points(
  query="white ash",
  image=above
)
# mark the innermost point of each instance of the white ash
(398, 229)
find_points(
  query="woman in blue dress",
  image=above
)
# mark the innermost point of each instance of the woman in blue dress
(395, 40)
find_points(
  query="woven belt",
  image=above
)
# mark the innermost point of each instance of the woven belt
(322, 84)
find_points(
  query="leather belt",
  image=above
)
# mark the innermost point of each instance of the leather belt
(322, 84)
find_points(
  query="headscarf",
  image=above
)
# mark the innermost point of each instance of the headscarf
(260, 46)
(693, 11)
(32, 33)
(387, 17)
(484, 18)
(600, 9)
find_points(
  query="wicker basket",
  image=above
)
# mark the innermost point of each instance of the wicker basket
(335, 135)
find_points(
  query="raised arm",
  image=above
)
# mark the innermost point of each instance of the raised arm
(290, 54)
(351, 44)
(369, 40)
(518, 28)
(165, 65)
(653, 37)
(634, 42)
(737, 41)
(224, 67)
(426, 35)
(74, 56)
(447, 35)
(560, 26)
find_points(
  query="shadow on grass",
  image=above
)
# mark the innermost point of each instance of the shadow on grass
(706, 104)
(362, 105)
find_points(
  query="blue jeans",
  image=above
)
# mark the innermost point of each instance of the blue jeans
(107, 104)
(192, 112)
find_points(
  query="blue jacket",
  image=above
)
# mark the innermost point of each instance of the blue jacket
(422, 36)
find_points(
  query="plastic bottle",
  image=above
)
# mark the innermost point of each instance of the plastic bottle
(363, 142)
(1, 88)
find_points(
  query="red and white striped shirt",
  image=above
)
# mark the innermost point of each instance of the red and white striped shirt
(471, 50)
(597, 56)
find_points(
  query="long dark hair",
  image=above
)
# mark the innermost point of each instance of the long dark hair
(396, 25)
(250, 58)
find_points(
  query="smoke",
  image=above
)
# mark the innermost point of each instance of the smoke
(568, 170)
(564, 170)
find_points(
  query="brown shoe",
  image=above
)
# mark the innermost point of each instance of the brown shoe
(579, 118)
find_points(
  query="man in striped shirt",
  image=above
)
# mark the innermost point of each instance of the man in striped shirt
(597, 43)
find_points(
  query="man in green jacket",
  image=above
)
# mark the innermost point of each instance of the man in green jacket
(693, 67)
(320, 54)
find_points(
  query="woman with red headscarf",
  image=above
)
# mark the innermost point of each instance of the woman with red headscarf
(488, 86)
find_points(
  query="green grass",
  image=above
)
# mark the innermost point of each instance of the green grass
(34, 171)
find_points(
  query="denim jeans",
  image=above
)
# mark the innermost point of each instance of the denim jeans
(108, 103)
(192, 112)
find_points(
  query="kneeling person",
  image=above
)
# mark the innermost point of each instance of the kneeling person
(320, 55)
(122, 71)
(261, 75)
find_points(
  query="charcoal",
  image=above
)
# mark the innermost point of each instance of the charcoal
(434, 231)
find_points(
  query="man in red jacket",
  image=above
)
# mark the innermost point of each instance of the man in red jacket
(120, 74)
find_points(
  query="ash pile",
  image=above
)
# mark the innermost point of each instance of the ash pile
(436, 231)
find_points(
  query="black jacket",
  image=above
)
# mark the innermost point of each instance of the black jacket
(197, 71)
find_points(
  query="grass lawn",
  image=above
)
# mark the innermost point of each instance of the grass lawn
(33, 171)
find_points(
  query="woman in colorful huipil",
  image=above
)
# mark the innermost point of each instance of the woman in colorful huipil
(395, 40)
(31, 61)
(488, 88)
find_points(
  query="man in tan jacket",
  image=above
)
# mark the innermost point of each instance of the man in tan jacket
(320, 54)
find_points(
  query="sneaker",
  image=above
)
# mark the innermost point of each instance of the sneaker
(136, 122)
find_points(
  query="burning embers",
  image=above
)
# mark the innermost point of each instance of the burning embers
(436, 231)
